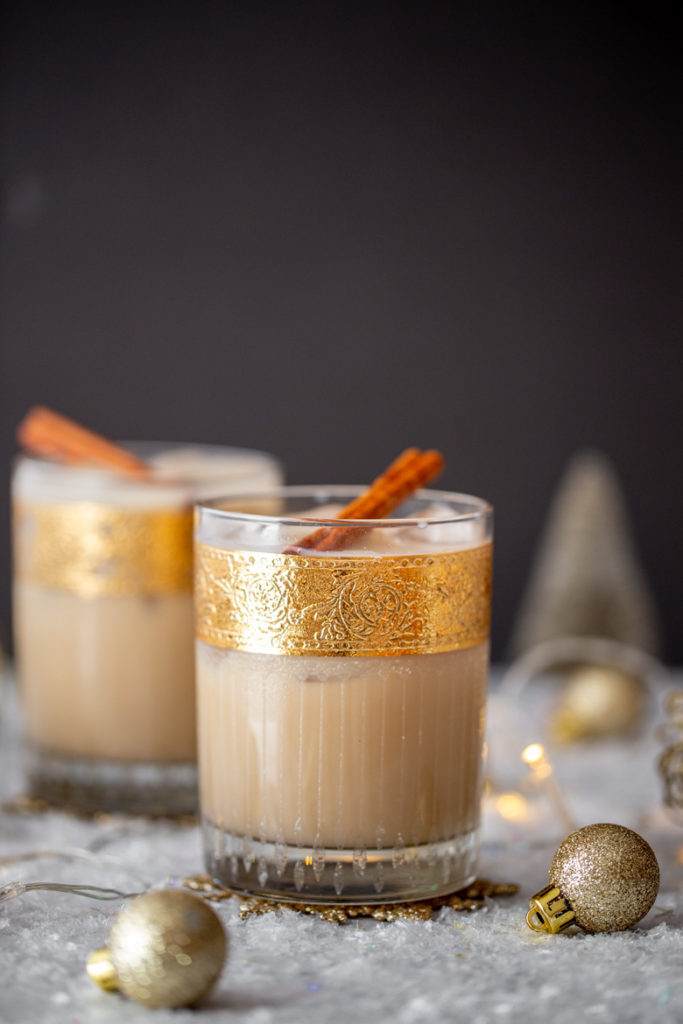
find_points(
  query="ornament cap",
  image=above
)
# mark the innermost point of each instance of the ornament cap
(549, 911)
(101, 970)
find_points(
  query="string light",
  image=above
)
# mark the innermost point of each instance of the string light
(512, 807)
(94, 892)
(10, 890)
(541, 769)
(533, 753)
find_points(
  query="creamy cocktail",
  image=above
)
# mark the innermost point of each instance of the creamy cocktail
(341, 698)
(103, 622)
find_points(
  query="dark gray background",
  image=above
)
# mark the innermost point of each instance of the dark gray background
(333, 229)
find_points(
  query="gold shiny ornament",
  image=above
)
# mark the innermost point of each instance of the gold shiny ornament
(674, 711)
(598, 701)
(671, 760)
(295, 604)
(604, 878)
(671, 768)
(88, 549)
(166, 949)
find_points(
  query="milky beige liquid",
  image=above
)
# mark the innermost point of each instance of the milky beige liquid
(107, 677)
(342, 752)
(111, 676)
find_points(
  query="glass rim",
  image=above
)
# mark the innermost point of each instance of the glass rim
(480, 510)
(140, 447)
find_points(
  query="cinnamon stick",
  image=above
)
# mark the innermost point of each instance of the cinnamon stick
(48, 434)
(410, 471)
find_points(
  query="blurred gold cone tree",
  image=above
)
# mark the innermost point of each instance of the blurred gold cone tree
(586, 578)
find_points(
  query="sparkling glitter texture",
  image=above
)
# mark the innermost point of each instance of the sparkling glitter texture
(284, 604)
(90, 549)
(167, 948)
(474, 897)
(608, 874)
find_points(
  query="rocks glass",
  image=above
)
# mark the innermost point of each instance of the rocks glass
(341, 697)
(103, 623)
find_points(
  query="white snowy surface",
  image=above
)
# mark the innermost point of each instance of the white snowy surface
(481, 967)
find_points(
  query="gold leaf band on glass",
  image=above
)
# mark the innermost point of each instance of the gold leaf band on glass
(293, 604)
(90, 549)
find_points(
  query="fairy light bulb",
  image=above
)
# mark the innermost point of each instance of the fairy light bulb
(533, 753)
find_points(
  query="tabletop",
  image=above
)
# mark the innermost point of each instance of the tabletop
(481, 966)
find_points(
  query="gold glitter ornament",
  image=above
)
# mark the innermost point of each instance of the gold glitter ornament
(166, 949)
(671, 760)
(598, 701)
(604, 878)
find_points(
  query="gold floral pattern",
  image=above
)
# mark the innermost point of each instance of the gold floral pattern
(294, 604)
(90, 549)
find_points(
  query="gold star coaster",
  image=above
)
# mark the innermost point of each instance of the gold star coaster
(470, 898)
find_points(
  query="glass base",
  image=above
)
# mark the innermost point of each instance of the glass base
(131, 787)
(322, 875)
